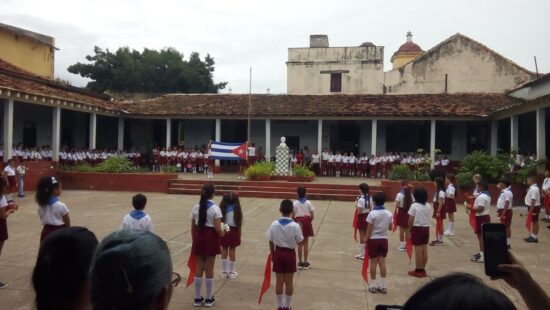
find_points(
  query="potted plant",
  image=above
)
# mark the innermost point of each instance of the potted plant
(303, 174)
(260, 171)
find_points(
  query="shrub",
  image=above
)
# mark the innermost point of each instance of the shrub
(170, 169)
(115, 164)
(302, 171)
(491, 168)
(399, 172)
(421, 177)
(520, 176)
(259, 169)
(464, 180)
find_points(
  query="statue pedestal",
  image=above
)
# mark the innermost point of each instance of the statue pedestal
(281, 161)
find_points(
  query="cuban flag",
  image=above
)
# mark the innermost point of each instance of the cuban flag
(228, 151)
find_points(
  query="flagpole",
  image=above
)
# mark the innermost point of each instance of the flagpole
(249, 105)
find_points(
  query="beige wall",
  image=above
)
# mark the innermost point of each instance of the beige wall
(365, 66)
(470, 68)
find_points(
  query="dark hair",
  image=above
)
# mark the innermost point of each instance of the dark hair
(364, 188)
(129, 270)
(379, 198)
(139, 201)
(231, 198)
(484, 185)
(407, 197)
(440, 184)
(207, 192)
(62, 268)
(44, 189)
(451, 177)
(506, 181)
(286, 207)
(420, 195)
(458, 291)
(301, 192)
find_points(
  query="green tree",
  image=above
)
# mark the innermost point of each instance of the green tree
(149, 71)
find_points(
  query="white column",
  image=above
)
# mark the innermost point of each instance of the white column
(8, 129)
(168, 132)
(218, 134)
(541, 133)
(432, 143)
(120, 144)
(373, 136)
(514, 141)
(56, 133)
(320, 136)
(268, 139)
(494, 137)
(92, 132)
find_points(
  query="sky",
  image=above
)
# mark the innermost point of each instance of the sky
(241, 34)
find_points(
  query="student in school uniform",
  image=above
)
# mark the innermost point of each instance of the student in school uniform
(338, 164)
(315, 163)
(10, 173)
(481, 208)
(251, 154)
(345, 164)
(419, 223)
(53, 213)
(352, 162)
(372, 165)
(546, 193)
(210, 162)
(232, 215)
(137, 219)
(379, 224)
(303, 214)
(532, 203)
(5, 211)
(324, 162)
(363, 206)
(331, 164)
(284, 236)
(21, 173)
(439, 210)
(300, 158)
(450, 203)
(206, 229)
(504, 206)
(403, 202)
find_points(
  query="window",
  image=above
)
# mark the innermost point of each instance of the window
(335, 82)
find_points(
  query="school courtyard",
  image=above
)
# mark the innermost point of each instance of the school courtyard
(333, 282)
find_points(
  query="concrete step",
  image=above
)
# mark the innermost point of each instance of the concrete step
(270, 187)
(286, 184)
(266, 194)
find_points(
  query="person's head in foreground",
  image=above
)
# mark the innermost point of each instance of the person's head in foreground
(458, 291)
(286, 207)
(132, 270)
(61, 274)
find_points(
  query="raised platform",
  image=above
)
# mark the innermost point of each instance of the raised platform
(272, 189)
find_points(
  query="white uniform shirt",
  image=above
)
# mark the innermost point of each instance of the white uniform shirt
(212, 213)
(251, 151)
(52, 213)
(422, 214)
(440, 195)
(285, 233)
(338, 158)
(331, 158)
(451, 190)
(3, 201)
(325, 156)
(9, 171)
(546, 184)
(380, 221)
(505, 195)
(303, 208)
(315, 158)
(137, 220)
(483, 200)
(533, 193)
(22, 170)
(400, 197)
(365, 203)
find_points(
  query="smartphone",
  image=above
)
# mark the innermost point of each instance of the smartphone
(495, 248)
(388, 307)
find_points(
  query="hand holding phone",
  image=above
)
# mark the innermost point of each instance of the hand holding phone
(495, 249)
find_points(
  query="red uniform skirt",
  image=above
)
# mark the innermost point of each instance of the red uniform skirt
(420, 235)
(480, 220)
(206, 242)
(242, 163)
(507, 220)
(402, 218)
(547, 203)
(12, 183)
(210, 162)
(441, 213)
(449, 205)
(377, 247)
(48, 229)
(305, 224)
(232, 238)
(362, 221)
(3, 230)
(535, 213)
(284, 260)
(251, 160)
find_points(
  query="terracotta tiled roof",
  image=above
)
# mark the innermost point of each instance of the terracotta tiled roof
(409, 47)
(14, 78)
(393, 106)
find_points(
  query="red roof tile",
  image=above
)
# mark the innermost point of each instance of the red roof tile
(398, 106)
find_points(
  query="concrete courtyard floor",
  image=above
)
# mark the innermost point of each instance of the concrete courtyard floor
(333, 282)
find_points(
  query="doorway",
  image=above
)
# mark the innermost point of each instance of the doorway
(29, 134)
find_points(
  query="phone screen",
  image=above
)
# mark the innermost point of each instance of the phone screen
(495, 249)
(388, 307)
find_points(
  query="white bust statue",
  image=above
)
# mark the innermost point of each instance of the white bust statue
(283, 140)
